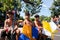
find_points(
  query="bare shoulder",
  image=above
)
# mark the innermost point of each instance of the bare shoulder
(6, 20)
(34, 21)
(24, 21)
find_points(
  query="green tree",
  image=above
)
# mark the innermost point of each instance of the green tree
(9, 4)
(45, 18)
(55, 8)
(33, 6)
(21, 18)
(32, 19)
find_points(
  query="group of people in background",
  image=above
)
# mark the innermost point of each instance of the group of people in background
(56, 20)
(27, 27)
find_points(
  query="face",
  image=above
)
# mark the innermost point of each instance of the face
(11, 16)
(37, 18)
(27, 17)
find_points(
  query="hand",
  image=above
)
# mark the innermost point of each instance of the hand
(40, 28)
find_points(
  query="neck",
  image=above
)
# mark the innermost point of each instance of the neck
(36, 20)
(10, 18)
(28, 19)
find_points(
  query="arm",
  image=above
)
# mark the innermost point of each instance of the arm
(38, 26)
(15, 28)
(5, 24)
(58, 25)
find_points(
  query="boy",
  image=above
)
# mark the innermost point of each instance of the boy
(27, 27)
(38, 24)
(8, 26)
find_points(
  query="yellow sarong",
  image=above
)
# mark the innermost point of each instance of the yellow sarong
(27, 30)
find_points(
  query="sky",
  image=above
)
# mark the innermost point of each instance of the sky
(45, 8)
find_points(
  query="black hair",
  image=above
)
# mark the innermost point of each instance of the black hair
(27, 14)
(36, 16)
(9, 12)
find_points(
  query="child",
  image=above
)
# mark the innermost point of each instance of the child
(8, 30)
(8, 26)
(38, 24)
(27, 27)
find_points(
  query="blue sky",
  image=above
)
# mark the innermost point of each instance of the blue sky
(45, 8)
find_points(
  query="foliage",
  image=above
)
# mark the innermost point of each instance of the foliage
(45, 18)
(9, 4)
(55, 8)
(32, 19)
(33, 6)
(42, 18)
(21, 18)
